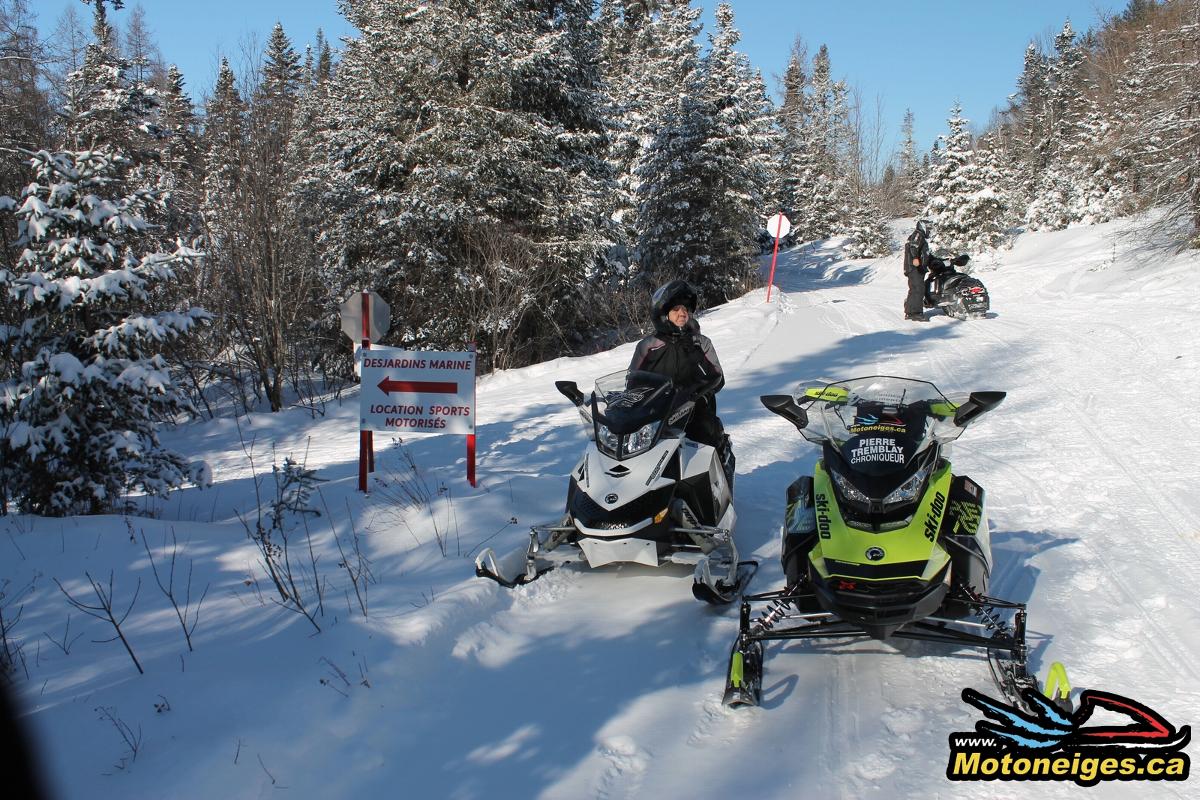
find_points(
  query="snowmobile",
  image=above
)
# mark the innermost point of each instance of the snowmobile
(883, 540)
(642, 493)
(959, 294)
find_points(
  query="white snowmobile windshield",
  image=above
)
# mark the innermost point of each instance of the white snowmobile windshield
(910, 412)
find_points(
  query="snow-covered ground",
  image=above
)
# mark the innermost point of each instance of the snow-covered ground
(608, 684)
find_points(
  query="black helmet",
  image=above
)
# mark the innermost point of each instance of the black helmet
(666, 297)
(925, 226)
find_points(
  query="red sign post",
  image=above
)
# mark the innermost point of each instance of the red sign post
(366, 439)
(778, 226)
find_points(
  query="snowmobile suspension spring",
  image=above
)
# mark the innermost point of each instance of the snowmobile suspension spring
(773, 614)
(985, 611)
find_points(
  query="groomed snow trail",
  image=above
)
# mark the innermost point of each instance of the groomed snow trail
(607, 684)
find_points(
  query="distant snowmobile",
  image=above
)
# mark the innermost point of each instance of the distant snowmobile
(959, 294)
(882, 540)
(642, 493)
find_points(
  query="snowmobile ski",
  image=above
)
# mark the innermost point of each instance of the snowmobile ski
(718, 592)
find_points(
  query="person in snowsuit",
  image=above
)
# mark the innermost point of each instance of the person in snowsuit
(678, 350)
(916, 261)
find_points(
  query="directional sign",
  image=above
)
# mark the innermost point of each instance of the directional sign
(417, 391)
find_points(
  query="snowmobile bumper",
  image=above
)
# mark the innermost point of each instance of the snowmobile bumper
(607, 551)
(880, 608)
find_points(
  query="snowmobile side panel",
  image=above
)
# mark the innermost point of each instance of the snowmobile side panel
(799, 531)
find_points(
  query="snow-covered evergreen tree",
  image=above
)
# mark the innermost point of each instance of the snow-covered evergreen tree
(1163, 130)
(818, 194)
(1080, 179)
(908, 172)
(85, 382)
(461, 129)
(964, 199)
(866, 231)
(791, 119)
(109, 107)
(705, 180)
(27, 114)
(180, 160)
(1030, 110)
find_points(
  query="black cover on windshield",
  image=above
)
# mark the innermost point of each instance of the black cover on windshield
(885, 438)
(647, 398)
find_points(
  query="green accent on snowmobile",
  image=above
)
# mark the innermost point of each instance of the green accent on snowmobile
(911, 544)
(967, 515)
(830, 394)
(1057, 686)
(946, 409)
(735, 670)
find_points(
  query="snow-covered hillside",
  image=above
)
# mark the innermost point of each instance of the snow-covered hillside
(608, 684)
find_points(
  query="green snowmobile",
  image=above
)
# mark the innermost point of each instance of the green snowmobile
(883, 540)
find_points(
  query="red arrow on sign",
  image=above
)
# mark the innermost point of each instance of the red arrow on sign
(387, 386)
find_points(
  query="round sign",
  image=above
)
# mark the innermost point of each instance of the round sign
(778, 226)
(352, 317)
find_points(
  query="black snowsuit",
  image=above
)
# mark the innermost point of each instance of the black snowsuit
(687, 357)
(916, 248)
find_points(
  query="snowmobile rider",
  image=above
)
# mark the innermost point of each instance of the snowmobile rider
(678, 350)
(916, 261)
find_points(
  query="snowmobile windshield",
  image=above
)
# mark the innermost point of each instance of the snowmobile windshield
(879, 424)
(629, 410)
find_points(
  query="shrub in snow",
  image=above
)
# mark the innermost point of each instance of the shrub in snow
(84, 381)
(866, 230)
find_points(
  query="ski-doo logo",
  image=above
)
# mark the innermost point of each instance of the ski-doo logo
(824, 524)
(875, 554)
(611, 498)
(1047, 743)
(934, 516)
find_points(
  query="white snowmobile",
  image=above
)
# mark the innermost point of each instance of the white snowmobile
(642, 493)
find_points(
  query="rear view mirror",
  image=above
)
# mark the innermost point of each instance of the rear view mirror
(978, 404)
(785, 406)
(570, 391)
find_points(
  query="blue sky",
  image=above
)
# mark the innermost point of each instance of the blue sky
(919, 54)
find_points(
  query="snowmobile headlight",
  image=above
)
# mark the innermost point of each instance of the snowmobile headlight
(642, 439)
(847, 489)
(908, 490)
(607, 441)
